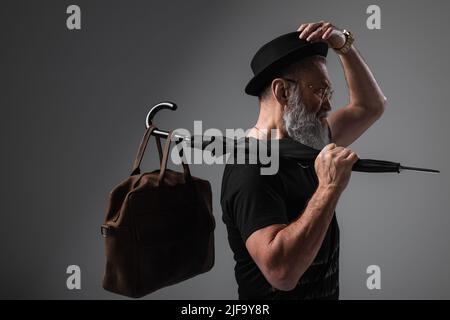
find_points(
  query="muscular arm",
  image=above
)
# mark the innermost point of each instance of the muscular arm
(284, 252)
(367, 101)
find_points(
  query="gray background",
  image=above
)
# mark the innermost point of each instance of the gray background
(73, 106)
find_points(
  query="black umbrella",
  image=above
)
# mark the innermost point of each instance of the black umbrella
(287, 148)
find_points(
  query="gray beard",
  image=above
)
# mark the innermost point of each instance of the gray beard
(302, 126)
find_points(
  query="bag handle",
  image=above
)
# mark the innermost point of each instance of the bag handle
(186, 171)
(137, 162)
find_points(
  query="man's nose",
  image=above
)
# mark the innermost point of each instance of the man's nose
(326, 105)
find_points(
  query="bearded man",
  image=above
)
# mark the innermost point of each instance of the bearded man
(282, 228)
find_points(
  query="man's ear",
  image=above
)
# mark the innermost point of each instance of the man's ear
(280, 90)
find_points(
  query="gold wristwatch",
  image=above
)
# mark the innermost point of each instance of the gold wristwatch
(348, 42)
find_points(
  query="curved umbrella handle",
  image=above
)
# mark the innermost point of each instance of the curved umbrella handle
(153, 111)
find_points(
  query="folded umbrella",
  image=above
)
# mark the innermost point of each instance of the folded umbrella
(287, 148)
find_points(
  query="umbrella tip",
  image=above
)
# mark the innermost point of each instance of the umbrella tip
(419, 169)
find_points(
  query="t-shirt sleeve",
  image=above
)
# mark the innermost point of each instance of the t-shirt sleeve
(257, 202)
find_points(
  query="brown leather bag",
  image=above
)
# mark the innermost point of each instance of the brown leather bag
(159, 227)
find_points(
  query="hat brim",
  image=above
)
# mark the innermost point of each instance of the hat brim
(260, 80)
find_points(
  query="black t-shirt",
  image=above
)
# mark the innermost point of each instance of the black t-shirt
(251, 201)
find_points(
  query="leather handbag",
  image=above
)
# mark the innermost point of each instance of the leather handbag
(159, 227)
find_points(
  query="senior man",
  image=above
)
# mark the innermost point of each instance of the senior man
(282, 228)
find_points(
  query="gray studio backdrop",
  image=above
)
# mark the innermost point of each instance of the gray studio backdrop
(73, 107)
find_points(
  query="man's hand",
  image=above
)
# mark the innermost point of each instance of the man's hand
(322, 31)
(334, 165)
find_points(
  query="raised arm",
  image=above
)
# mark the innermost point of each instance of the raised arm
(367, 101)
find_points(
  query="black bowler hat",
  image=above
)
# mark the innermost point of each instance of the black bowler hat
(277, 54)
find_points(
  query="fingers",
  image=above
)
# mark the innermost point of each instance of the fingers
(327, 149)
(302, 27)
(317, 34)
(309, 28)
(330, 146)
(351, 158)
(327, 33)
(344, 153)
(337, 150)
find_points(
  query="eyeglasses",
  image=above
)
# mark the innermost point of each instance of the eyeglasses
(322, 93)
